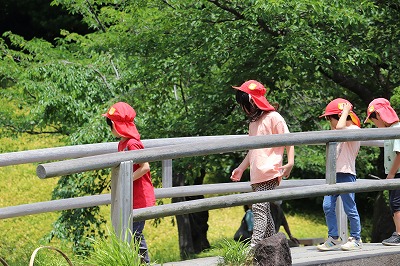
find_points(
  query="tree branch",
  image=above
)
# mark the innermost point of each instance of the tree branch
(351, 84)
(115, 69)
(31, 132)
(91, 10)
(240, 16)
(94, 69)
(237, 14)
(168, 4)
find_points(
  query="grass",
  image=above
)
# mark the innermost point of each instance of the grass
(19, 185)
(22, 235)
(113, 251)
(234, 253)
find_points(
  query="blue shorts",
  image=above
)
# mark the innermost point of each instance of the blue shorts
(394, 198)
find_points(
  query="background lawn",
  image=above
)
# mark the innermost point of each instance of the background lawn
(20, 236)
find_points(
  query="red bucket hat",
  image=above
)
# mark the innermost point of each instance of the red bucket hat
(122, 115)
(257, 91)
(335, 107)
(383, 108)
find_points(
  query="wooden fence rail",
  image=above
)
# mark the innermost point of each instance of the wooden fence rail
(85, 150)
(161, 193)
(100, 156)
(211, 147)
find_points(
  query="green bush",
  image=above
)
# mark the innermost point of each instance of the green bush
(114, 250)
(234, 253)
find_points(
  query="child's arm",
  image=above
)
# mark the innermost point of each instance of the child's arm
(238, 172)
(141, 171)
(395, 167)
(287, 168)
(343, 118)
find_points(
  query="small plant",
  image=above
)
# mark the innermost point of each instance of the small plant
(235, 253)
(48, 259)
(115, 251)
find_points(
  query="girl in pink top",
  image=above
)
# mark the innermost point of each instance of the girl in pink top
(266, 169)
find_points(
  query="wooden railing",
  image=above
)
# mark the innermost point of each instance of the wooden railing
(100, 156)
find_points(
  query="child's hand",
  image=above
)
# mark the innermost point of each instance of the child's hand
(347, 108)
(236, 174)
(286, 170)
(390, 176)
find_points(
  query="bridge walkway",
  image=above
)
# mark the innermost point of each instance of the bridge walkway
(372, 254)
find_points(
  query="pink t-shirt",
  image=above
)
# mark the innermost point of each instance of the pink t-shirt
(346, 155)
(143, 190)
(264, 162)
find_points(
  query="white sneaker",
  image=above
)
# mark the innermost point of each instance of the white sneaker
(330, 244)
(352, 244)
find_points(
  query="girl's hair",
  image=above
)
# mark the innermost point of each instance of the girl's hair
(372, 115)
(251, 110)
(337, 117)
(109, 122)
(246, 207)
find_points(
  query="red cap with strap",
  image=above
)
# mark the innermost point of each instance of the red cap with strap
(335, 107)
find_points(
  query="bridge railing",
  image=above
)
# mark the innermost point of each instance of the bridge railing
(121, 163)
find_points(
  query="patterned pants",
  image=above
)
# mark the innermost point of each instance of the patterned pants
(263, 222)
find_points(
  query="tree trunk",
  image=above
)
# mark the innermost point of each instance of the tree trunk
(199, 226)
(184, 229)
(193, 227)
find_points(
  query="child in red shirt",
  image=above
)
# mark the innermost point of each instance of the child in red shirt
(120, 117)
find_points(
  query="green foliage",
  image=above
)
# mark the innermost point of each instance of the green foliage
(176, 61)
(76, 226)
(115, 250)
(235, 253)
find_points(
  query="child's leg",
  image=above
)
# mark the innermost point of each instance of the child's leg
(396, 219)
(350, 207)
(329, 206)
(394, 202)
(263, 222)
(139, 238)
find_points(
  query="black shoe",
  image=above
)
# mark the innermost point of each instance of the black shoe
(394, 240)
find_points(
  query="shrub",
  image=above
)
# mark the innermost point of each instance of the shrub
(235, 253)
(115, 251)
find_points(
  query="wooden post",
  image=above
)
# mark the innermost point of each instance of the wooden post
(330, 174)
(167, 173)
(341, 217)
(121, 200)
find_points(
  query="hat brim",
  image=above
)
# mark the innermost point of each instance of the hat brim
(262, 103)
(367, 120)
(352, 115)
(259, 100)
(328, 113)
